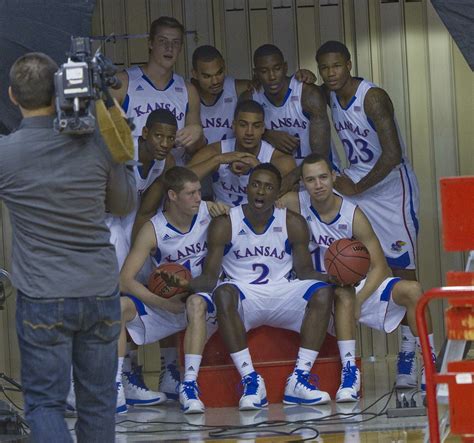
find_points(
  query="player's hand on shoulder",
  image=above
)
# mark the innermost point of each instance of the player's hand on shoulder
(189, 135)
(345, 185)
(305, 76)
(217, 208)
(282, 141)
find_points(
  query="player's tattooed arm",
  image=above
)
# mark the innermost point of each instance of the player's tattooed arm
(379, 270)
(219, 235)
(314, 104)
(379, 108)
(298, 235)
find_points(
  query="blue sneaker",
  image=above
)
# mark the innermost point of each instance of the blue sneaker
(189, 398)
(300, 391)
(406, 370)
(136, 392)
(170, 378)
(349, 390)
(255, 394)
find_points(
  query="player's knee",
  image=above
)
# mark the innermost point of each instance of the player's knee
(225, 298)
(196, 306)
(344, 298)
(413, 291)
(127, 308)
(322, 299)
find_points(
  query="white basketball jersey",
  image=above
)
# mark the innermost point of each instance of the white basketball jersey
(185, 248)
(217, 118)
(142, 184)
(258, 258)
(323, 234)
(357, 133)
(230, 188)
(143, 97)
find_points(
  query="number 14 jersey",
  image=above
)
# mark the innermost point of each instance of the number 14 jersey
(258, 258)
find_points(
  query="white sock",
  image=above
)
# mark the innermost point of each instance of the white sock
(243, 362)
(431, 342)
(118, 377)
(347, 350)
(306, 359)
(192, 362)
(408, 343)
(169, 356)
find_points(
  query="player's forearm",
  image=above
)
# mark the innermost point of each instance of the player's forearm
(202, 283)
(310, 274)
(289, 180)
(206, 167)
(320, 137)
(380, 170)
(197, 145)
(134, 287)
(374, 279)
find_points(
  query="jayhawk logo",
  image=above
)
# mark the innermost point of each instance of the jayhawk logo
(398, 245)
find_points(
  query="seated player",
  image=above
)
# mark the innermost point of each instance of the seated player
(229, 161)
(258, 245)
(380, 301)
(176, 234)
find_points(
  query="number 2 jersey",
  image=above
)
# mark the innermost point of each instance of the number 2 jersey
(322, 233)
(258, 258)
(185, 248)
(357, 133)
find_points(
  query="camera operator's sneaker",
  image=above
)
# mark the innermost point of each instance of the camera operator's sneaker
(189, 398)
(121, 403)
(349, 390)
(255, 394)
(406, 370)
(170, 379)
(300, 390)
(136, 392)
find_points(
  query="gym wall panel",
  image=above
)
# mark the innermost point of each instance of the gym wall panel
(137, 22)
(260, 25)
(307, 35)
(284, 31)
(330, 20)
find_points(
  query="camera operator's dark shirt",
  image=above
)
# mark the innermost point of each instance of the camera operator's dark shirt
(56, 187)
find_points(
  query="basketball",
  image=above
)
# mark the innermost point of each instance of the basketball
(347, 260)
(159, 287)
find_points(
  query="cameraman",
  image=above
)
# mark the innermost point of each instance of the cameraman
(57, 187)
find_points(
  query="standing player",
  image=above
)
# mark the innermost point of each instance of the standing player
(380, 301)
(229, 161)
(295, 113)
(155, 85)
(258, 245)
(379, 178)
(175, 235)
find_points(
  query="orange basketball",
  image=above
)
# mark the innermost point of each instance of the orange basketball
(159, 287)
(347, 260)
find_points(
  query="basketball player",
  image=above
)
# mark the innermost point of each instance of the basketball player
(258, 245)
(380, 301)
(379, 178)
(176, 234)
(155, 85)
(219, 92)
(229, 161)
(295, 112)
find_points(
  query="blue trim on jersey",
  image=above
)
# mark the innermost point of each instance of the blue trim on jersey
(153, 86)
(338, 216)
(351, 101)
(412, 208)
(308, 117)
(227, 248)
(385, 296)
(157, 255)
(371, 123)
(210, 305)
(169, 225)
(312, 289)
(139, 305)
(187, 108)
(140, 169)
(400, 262)
(269, 222)
(288, 247)
(285, 99)
(125, 103)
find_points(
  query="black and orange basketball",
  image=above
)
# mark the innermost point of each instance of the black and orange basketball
(159, 287)
(347, 260)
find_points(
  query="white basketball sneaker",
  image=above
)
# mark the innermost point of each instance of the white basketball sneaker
(300, 390)
(170, 379)
(137, 393)
(255, 394)
(121, 403)
(189, 398)
(406, 370)
(349, 390)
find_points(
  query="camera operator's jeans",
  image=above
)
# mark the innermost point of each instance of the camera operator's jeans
(54, 334)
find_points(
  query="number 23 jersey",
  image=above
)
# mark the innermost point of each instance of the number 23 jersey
(357, 133)
(258, 258)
